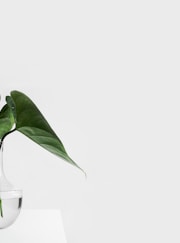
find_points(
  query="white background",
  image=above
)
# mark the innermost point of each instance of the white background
(106, 76)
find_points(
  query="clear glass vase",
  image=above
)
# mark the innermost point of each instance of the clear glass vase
(10, 198)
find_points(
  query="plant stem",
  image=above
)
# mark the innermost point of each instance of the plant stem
(1, 210)
(7, 134)
(1, 142)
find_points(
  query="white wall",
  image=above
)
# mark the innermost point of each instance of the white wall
(106, 76)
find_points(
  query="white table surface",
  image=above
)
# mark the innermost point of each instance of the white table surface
(35, 226)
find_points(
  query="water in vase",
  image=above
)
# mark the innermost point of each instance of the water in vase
(9, 211)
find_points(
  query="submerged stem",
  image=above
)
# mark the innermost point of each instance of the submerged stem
(1, 210)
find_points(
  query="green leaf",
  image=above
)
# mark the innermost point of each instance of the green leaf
(31, 123)
(6, 120)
